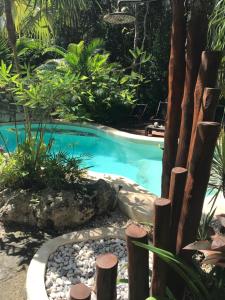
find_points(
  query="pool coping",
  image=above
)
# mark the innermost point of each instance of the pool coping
(134, 201)
(35, 281)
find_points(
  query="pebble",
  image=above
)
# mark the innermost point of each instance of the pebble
(74, 263)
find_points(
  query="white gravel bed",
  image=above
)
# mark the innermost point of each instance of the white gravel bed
(74, 263)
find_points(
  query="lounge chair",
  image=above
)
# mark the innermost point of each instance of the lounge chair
(139, 111)
(157, 122)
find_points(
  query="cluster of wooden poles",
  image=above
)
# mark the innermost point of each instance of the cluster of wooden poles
(190, 139)
(106, 271)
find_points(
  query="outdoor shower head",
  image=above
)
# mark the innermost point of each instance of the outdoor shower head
(119, 17)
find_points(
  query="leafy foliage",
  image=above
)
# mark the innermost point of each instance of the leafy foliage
(200, 284)
(97, 86)
(5, 52)
(217, 26)
(190, 276)
(33, 166)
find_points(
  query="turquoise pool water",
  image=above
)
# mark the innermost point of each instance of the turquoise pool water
(139, 161)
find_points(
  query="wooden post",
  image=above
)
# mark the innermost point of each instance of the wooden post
(106, 275)
(177, 185)
(175, 92)
(80, 292)
(196, 42)
(161, 238)
(138, 263)
(207, 77)
(197, 181)
(208, 107)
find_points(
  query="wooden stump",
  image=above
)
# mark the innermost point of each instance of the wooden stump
(161, 238)
(197, 181)
(138, 263)
(106, 275)
(80, 292)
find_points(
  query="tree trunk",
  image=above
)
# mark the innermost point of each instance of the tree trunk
(11, 31)
(138, 26)
(175, 94)
(196, 42)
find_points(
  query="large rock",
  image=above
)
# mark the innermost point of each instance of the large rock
(57, 209)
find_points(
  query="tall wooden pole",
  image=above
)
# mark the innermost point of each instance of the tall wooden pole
(207, 77)
(161, 238)
(197, 181)
(138, 264)
(175, 93)
(209, 104)
(196, 42)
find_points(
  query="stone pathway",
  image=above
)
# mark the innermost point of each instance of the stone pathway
(16, 250)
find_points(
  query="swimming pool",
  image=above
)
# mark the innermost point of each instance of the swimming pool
(109, 151)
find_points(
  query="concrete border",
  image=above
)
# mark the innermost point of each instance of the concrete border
(35, 282)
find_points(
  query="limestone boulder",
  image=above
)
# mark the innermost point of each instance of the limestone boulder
(48, 208)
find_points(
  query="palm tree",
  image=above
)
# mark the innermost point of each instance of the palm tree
(10, 25)
(38, 18)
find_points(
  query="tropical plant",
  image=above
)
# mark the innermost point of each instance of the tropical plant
(217, 177)
(37, 18)
(200, 285)
(217, 27)
(216, 39)
(32, 164)
(190, 276)
(99, 86)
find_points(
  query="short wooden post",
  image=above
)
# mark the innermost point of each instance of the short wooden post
(197, 181)
(177, 185)
(80, 292)
(161, 238)
(138, 263)
(106, 275)
(208, 107)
